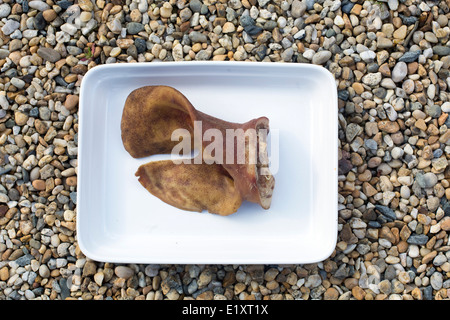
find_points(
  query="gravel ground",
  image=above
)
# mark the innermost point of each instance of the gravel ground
(391, 63)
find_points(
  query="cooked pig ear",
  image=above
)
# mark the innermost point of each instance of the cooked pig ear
(192, 187)
(150, 116)
(153, 113)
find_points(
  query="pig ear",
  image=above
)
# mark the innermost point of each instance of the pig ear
(153, 113)
(192, 187)
(150, 116)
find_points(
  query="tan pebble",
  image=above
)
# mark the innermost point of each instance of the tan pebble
(358, 293)
(71, 181)
(115, 52)
(135, 15)
(85, 16)
(115, 9)
(416, 293)
(428, 257)
(358, 87)
(69, 225)
(86, 5)
(166, 10)
(71, 78)
(124, 43)
(20, 118)
(21, 99)
(368, 189)
(49, 15)
(272, 285)
(420, 124)
(445, 223)
(400, 33)
(89, 268)
(220, 57)
(331, 294)
(239, 287)
(228, 27)
(196, 47)
(356, 10)
(4, 273)
(443, 117)
(405, 232)
(79, 69)
(25, 226)
(444, 138)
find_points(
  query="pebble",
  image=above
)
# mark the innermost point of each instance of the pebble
(298, 8)
(10, 26)
(399, 72)
(123, 272)
(409, 56)
(321, 57)
(49, 54)
(372, 79)
(427, 180)
(5, 10)
(134, 27)
(38, 5)
(441, 50)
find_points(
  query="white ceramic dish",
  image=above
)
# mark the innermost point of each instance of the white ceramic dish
(119, 221)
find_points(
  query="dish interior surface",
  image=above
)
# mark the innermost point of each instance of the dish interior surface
(119, 221)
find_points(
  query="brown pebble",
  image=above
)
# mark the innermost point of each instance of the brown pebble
(358, 87)
(374, 162)
(39, 184)
(71, 78)
(402, 246)
(368, 189)
(350, 283)
(71, 102)
(388, 126)
(312, 18)
(356, 10)
(207, 295)
(445, 223)
(79, 69)
(386, 233)
(385, 70)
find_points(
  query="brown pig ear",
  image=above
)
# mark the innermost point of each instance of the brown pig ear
(150, 116)
(192, 187)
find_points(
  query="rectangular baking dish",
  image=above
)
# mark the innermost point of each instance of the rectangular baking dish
(119, 221)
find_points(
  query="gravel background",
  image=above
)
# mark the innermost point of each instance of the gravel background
(391, 64)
